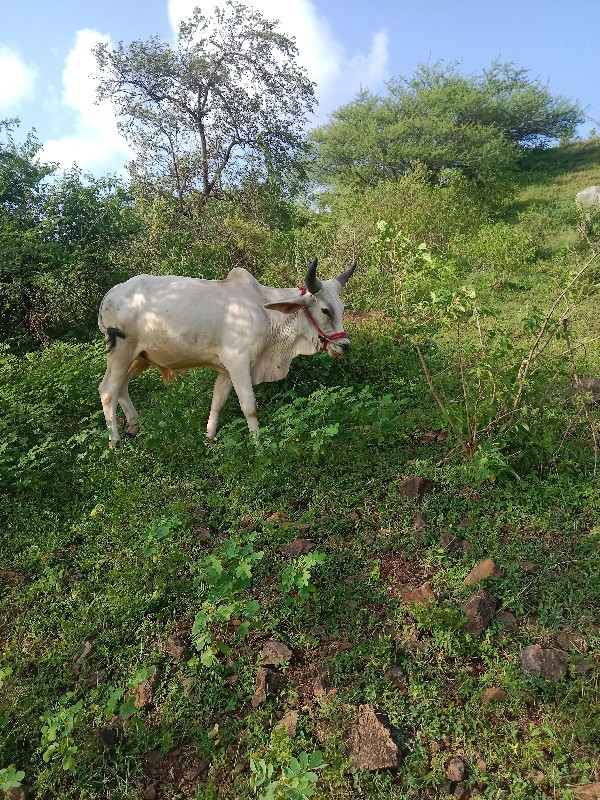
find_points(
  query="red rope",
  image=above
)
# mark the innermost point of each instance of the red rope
(323, 337)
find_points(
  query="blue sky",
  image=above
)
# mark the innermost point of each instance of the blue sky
(45, 62)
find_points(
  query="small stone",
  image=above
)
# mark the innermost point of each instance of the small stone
(191, 688)
(288, 723)
(415, 487)
(422, 595)
(408, 640)
(568, 639)
(537, 776)
(178, 648)
(144, 693)
(110, 734)
(153, 757)
(587, 791)
(486, 569)
(548, 663)
(481, 765)
(260, 691)
(529, 567)
(494, 694)
(456, 769)
(204, 533)
(92, 680)
(267, 682)
(14, 576)
(587, 386)
(299, 547)
(460, 791)
(454, 546)
(478, 609)
(371, 743)
(582, 666)
(395, 675)
(420, 522)
(21, 792)
(275, 653)
(507, 619)
(277, 516)
(150, 792)
(200, 512)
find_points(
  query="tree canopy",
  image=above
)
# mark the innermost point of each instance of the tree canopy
(58, 237)
(230, 99)
(445, 120)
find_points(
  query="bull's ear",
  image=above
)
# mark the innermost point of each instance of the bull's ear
(289, 306)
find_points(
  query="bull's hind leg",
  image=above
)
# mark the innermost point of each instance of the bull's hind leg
(221, 392)
(119, 358)
(133, 419)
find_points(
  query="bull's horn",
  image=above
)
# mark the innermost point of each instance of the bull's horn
(313, 284)
(345, 276)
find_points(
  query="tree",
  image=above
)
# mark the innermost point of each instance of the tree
(58, 239)
(444, 120)
(229, 101)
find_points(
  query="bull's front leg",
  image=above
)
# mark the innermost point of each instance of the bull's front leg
(242, 383)
(221, 392)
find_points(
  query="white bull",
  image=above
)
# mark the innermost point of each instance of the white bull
(246, 332)
(589, 196)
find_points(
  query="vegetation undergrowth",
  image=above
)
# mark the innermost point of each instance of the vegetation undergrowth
(189, 620)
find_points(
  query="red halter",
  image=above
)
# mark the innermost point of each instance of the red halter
(324, 338)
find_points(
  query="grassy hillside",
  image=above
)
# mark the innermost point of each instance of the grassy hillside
(140, 588)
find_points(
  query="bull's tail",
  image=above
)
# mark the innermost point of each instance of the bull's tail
(112, 334)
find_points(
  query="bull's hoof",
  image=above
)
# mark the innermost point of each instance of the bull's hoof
(116, 444)
(132, 430)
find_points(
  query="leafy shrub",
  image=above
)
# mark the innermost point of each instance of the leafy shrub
(223, 577)
(500, 249)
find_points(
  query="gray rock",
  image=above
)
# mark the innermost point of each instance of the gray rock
(495, 694)
(178, 648)
(478, 609)
(144, 693)
(587, 386)
(371, 742)
(415, 487)
(268, 682)
(507, 619)
(548, 663)
(288, 723)
(486, 569)
(395, 675)
(275, 653)
(587, 791)
(299, 547)
(456, 769)
(110, 734)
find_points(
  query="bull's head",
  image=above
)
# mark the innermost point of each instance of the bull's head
(322, 305)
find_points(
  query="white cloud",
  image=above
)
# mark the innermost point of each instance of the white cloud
(337, 73)
(17, 82)
(96, 144)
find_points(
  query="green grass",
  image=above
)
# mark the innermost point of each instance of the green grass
(80, 527)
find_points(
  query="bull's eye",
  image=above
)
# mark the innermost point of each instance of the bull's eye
(326, 311)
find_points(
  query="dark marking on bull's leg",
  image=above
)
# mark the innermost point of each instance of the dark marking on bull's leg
(112, 334)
